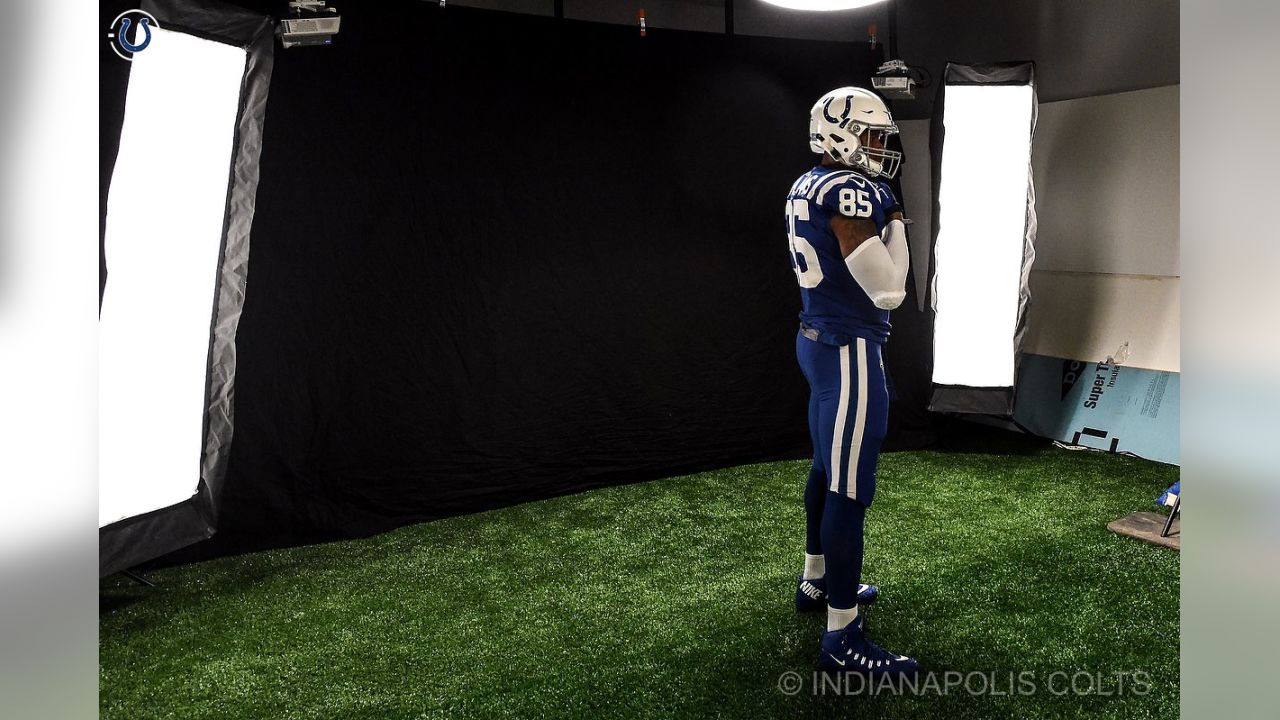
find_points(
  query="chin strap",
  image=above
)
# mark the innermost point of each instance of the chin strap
(879, 265)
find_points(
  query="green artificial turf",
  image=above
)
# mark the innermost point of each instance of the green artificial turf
(673, 598)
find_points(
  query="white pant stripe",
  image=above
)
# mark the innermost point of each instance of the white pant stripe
(859, 420)
(838, 439)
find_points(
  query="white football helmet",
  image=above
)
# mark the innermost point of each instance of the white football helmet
(837, 122)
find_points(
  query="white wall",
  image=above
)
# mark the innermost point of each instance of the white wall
(1106, 174)
(1106, 270)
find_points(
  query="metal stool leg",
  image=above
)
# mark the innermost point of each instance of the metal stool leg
(1169, 523)
(137, 577)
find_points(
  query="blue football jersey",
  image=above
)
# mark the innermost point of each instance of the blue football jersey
(832, 301)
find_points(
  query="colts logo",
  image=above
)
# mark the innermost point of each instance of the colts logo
(130, 32)
(844, 116)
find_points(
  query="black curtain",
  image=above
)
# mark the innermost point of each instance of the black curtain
(500, 257)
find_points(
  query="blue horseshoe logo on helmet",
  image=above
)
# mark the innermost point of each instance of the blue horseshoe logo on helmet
(841, 121)
(826, 112)
(144, 26)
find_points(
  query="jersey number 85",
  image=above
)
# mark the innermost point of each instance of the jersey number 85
(801, 249)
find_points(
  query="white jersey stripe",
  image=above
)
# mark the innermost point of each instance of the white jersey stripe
(837, 440)
(804, 185)
(835, 178)
(859, 420)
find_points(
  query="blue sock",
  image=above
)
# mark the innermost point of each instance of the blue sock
(815, 497)
(842, 524)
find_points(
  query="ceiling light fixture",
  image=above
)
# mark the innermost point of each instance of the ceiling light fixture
(822, 5)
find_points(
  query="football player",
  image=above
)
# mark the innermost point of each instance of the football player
(849, 253)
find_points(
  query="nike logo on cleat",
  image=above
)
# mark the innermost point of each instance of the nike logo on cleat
(837, 660)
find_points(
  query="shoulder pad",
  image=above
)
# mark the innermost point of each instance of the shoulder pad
(852, 195)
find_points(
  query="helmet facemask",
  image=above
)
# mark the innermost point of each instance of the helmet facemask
(877, 162)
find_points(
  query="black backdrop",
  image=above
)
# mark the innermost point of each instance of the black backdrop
(499, 257)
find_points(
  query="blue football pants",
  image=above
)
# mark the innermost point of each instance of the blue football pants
(848, 417)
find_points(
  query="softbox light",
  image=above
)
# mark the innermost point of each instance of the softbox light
(176, 247)
(983, 233)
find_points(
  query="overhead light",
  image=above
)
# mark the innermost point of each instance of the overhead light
(894, 80)
(312, 23)
(823, 4)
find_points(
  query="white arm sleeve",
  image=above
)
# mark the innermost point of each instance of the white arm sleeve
(880, 266)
